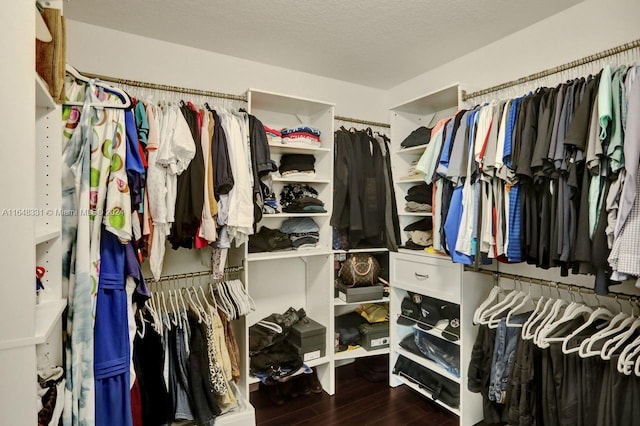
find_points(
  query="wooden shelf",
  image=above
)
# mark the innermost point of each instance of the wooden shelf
(340, 302)
(42, 235)
(287, 254)
(296, 149)
(364, 250)
(43, 98)
(427, 394)
(425, 362)
(300, 180)
(280, 215)
(359, 353)
(47, 316)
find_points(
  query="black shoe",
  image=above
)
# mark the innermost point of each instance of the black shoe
(314, 382)
(288, 389)
(274, 395)
(302, 385)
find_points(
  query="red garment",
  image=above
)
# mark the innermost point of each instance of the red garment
(136, 404)
(302, 135)
(272, 131)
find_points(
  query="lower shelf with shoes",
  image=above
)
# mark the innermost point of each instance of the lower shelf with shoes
(299, 385)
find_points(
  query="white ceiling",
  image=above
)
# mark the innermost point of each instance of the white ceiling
(377, 43)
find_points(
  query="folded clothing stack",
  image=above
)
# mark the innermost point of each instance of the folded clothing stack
(420, 136)
(270, 205)
(267, 239)
(302, 231)
(420, 234)
(273, 136)
(298, 198)
(301, 135)
(413, 173)
(297, 165)
(419, 198)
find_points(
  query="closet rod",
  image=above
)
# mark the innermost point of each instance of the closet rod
(367, 122)
(228, 269)
(552, 284)
(536, 76)
(166, 88)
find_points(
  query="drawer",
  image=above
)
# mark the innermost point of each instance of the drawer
(437, 278)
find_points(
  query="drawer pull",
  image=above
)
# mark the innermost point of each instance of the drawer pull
(421, 276)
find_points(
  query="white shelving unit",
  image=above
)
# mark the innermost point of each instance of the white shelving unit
(296, 278)
(432, 275)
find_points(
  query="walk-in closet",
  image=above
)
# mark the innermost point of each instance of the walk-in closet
(321, 213)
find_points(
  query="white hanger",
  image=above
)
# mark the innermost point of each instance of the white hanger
(627, 357)
(616, 342)
(572, 312)
(166, 311)
(485, 316)
(491, 297)
(496, 317)
(617, 324)
(536, 315)
(599, 313)
(121, 94)
(517, 308)
(193, 305)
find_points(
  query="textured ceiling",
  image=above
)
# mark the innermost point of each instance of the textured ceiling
(377, 43)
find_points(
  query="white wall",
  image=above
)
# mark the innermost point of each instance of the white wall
(587, 28)
(103, 51)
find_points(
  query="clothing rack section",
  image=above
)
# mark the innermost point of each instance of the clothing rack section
(555, 70)
(365, 122)
(227, 270)
(167, 88)
(555, 285)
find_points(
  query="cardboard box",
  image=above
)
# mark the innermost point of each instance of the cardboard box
(308, 333)
(374, 336)
(359, 294)
(309, 353)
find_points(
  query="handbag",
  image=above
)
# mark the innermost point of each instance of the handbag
(359, 269)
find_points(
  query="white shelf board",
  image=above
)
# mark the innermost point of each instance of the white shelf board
(339, 302)
(416, 214)
(44, 234)
(296, 149)
(287, 254)
(423, 253)
(280, 215)
(359, 353)
(364, 250)
(43, 98)
(433, 331)
(300, 179)
(427, 394)
(413, 150)
(273, 101)
(428, 364)
(435, 101)
(313, 363)
(47, 316)
(412, 180)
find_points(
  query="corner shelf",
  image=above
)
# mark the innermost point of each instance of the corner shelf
(413, 150)
(43, 98)
(48, 314)
(296, 149)
(287, 254)
(44, 234)
(359, 353)
(280, 215)
(339, 302)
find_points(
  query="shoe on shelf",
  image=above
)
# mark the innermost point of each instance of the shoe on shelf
(314, 382)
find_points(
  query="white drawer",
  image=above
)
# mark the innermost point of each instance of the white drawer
(439, 278)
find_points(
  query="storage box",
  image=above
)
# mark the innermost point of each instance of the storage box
(307, 333)
(374, 336)
(309, 353)
(358, 294)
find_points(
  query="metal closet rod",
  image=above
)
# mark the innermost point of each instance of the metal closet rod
(166, 88)
(228, 269)
(536, 76)
(366, 122)
(553, 284)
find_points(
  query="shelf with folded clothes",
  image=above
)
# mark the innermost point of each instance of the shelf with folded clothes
(308, 252)
(339, 302)
(296, 149)
(280, 215)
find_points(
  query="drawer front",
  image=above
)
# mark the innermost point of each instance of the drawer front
(437, 278)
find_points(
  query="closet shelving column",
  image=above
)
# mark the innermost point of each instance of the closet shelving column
(432, 275)
(341, 307)
(297, 278)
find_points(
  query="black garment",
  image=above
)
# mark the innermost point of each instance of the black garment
(479, 373)
(261, 163)
(223, 175)
(424, 224)
(267, 239)
(190, 191)
(521, 390)
(373, 199)
(421, 193)
(205, 407)
(297, 162)
(392, 223)
(148, 360)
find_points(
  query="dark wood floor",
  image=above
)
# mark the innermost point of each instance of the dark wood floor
(356, 402)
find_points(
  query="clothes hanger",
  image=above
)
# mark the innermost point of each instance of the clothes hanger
(166, 311)
(517, 308)
(124, 97)
(486, 316)
(543, 304)
(616, 342)
(571, 312)
(495, 318)
(599, 313)
(551, 314)
(617, 325)
(491, 297)
(192, 304)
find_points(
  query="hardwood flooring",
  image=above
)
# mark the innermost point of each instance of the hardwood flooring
(356, 402)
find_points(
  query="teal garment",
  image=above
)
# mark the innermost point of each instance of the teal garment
(142, 123)
(605, 101)
(615, 152)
